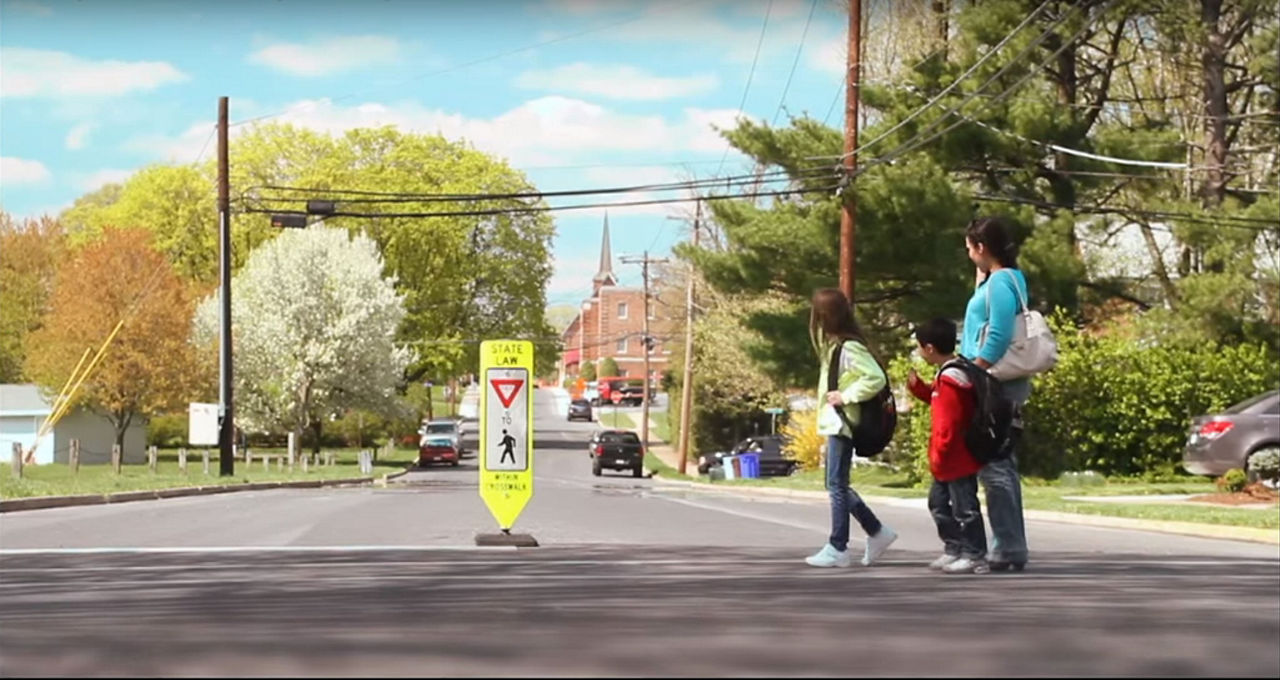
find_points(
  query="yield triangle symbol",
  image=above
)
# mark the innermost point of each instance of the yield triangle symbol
(506, 389)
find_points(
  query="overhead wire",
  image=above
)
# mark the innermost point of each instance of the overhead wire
(795, 62)
(750, 75)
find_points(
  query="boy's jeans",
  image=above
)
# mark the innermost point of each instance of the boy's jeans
(844, 500)
(954, 505)
(1004, 489)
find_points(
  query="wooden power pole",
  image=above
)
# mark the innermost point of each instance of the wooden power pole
(849, 217)
(645, 344)
(686, 387)
(226, 418)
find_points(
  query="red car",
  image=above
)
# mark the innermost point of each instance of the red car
(441, 442)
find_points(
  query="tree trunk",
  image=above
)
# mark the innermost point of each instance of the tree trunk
(120, 421)
(1162, 274)
(1213, 63)
(317, 429)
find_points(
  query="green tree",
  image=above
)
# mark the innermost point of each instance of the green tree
(608, 368)
(30, 253)
(588, 371)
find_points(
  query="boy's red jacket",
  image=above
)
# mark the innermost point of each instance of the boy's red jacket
(951, 404)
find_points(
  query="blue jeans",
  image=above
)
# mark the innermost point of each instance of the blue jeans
(845, 502)
(1004, 488)
(954, 506)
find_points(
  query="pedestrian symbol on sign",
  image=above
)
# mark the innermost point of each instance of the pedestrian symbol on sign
(507, 442)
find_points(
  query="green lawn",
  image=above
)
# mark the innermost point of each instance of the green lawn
(661, 425)
(57, 479)
(617, 420)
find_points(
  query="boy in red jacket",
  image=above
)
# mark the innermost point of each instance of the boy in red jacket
(953, 498)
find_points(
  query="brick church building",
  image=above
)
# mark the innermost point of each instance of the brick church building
(610, 323)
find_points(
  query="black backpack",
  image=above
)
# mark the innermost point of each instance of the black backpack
(877, 416)
(990, 429)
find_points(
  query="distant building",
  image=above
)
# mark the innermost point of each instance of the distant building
(22, 410)
(610, 323)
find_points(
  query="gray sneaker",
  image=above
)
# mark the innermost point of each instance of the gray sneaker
(942, 561)
(967, 565)
(876, 545)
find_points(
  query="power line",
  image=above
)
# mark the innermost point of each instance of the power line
(544, 208)
(947, 90)
(799, 49)
(751, 74)
(409, 197)
(1224, 221)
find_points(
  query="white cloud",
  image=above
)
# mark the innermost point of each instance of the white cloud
(548, 130)
(78, 135)
(185, 148)
(103, 177)
(828, 56)
(14, 170)
(571, 277)
(615, 82)
(26, 72)
(329, 56)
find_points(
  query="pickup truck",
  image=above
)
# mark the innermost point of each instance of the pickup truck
(616, 450)
(632, 395)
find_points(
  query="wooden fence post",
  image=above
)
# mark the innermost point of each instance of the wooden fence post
(17, 460)
(117, 457)
(205, 454)
(182, 461)
(152, 454)
(73, 457)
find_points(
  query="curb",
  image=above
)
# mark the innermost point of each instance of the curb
(41, 502)
(1218, 531)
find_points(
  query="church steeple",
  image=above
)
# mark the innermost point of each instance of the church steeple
(605, 277)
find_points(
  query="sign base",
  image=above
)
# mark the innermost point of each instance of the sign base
(506, 538)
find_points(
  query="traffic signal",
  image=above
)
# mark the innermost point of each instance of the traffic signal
(289, 221)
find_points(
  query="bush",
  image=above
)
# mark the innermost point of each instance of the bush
(1119, 404)
(804, 444)
(167, 431)
(1266, 464)
(909, 450)
(1233, 481)
(588, 371)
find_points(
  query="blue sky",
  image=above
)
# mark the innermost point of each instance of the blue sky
(607, 93)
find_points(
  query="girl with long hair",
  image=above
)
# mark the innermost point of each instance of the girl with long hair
(832, 328)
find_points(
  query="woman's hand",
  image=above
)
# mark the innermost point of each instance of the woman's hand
(834, 398)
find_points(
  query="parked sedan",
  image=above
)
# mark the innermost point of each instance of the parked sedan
(1230, 439)
(773, 461)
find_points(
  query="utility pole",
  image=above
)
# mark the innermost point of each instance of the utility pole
(849, 217)
(226, 412)
(686, 387)
(645, 345)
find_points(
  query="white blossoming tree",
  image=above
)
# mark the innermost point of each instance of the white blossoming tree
(314, 325)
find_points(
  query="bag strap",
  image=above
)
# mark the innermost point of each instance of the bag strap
(833, 382)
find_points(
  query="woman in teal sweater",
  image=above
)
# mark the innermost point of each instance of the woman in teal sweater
(831, 325)
(1000, 293)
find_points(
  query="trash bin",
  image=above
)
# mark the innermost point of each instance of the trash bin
(731, 467)
(750, 465)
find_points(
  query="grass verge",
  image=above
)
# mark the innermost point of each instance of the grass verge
(58, 480)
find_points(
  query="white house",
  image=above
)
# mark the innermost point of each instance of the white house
(24, 407)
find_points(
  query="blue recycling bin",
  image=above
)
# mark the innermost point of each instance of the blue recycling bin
(750, 465)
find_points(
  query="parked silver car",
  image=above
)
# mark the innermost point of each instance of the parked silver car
(1219, 442)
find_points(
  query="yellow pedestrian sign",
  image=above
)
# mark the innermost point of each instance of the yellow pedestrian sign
(506, 428)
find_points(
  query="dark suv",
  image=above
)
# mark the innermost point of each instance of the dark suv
(773, 461)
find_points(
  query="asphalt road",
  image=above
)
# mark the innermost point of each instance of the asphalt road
(633, 578)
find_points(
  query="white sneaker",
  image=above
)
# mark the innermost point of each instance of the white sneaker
(943, 561)
(876, 545)
(829, 557)
(967, 565)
